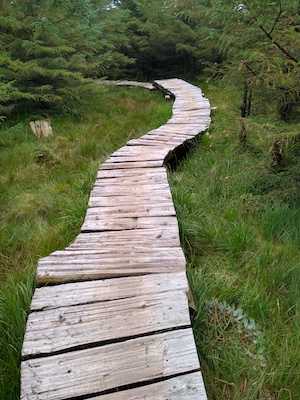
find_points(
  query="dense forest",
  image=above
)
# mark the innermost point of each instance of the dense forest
(50, 49)
(237, 195)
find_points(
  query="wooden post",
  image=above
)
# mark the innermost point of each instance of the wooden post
(41, 128)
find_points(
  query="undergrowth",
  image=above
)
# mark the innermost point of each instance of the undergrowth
(44, 190)
(240, 227)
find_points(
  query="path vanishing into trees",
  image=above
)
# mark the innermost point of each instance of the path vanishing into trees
(110, 316)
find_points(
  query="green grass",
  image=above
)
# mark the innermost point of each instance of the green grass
(44, 189)
(239, 223)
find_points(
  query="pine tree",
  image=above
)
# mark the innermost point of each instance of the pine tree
(48, 50)
(162, 39)
(261, 43)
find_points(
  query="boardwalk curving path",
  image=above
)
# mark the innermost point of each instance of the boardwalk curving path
(110, 318)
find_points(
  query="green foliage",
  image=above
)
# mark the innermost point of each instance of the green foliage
(260, 41)
(163, 40)
(49, 49)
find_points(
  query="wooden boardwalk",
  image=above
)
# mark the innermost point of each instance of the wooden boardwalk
(110, 318)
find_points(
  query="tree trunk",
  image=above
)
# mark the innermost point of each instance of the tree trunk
(242, 134)
(246, 102)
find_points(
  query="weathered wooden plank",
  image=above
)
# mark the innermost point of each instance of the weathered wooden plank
(145, 142)
(69, 327)
(196, 114)
(131, 211)
(149, 156)
(147, 200)
(109, 224)
(130, 165)
(182, 135)
(183, 387)
(70, 269)
(73, 294)
(164, 130)
(145, 172)
(139, 152)
(184, 105)
(133, 188)
(55, 274)
(129, 180)
(95, 370)
(60, 256)
(135, 195)
(173, 130)
(191, 121)
(155, 237)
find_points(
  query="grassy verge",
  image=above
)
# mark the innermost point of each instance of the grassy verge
(44, 189)
(240, 225)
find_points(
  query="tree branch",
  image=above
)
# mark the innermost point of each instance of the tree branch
(278, 45)
(277, 19)
(269, 34)
(249, 68)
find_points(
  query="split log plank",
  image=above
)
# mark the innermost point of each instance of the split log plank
(88, 268)
(133, 188)
(79, 293)
(116, 201)
(131, 172)
(61, 256)
(131, 211)
(96, 370)
(69, 327)
(155, 237)
(131, 164)
(185, 387)
(129, 180)
(117, 224)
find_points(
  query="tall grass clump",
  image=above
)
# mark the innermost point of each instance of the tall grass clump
(44, 190)
(239, 224)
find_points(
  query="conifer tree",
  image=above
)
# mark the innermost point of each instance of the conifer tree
(49, 48)
(261, 43)
(162, 39)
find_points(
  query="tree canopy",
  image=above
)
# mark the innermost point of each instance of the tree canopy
(50, 48)
(261, 44)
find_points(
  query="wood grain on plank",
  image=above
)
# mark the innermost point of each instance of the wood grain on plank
(79, 293)
(68, 269)
(130, 180)
(130, 189)
(184, 387)
(94, 370)
(152, 237)
(109, 224)
(72, 326)
(131, 211)
(131, 172)
(164, 198)
(131, 165)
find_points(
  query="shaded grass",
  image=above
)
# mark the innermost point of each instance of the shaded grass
(44, 190)
(241, 239)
